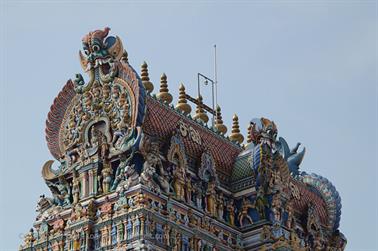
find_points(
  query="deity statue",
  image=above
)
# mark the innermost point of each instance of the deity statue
(198, 191)
(211, 198)
(97, 97)
(104, 147)
(276, 207)
(188, 188)
(94, 140)
(121, 130)
(290, 215)
(260, 203)
(107, 104)
(149, 176)
(231, 212)
(220, 206)
(167, 231)
(179, 182)
(178, 243)
(120, 174)
(60, 191)
(146, 177)
(275, 181)
(106, 176)
(243, 214)
(75, 188)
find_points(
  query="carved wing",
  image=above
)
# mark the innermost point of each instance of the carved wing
(55, 118)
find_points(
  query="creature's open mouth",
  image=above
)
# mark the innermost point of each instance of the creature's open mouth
(104, 63)
(105, 68)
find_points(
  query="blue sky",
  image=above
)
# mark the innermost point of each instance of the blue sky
(311, 66)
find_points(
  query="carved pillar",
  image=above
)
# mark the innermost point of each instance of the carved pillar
(95, 182)
(125, 229)
(90, 183)
(84, 184)
(142, 225)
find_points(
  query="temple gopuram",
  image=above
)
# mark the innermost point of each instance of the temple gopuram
(135, 172)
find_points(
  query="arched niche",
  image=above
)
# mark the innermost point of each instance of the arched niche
(207, 171)
(176, 152)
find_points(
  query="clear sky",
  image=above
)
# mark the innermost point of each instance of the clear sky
(311, 66)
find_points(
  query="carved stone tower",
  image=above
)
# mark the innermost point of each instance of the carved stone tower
(136, 173)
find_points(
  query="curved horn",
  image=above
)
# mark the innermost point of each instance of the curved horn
(285, 148)
(297, 158)
(83, 61)
(116, 50)
(47, 173)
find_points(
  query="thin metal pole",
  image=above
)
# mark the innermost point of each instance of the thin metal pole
(198, 82)
(216, 75)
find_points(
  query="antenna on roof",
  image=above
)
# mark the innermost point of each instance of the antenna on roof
(201, 78)
(215, 75)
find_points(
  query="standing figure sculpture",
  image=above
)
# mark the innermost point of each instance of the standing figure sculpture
(75, 188)
(211, 198)
(179, 183)
(231, 212)
(243, 214)
(106, 176)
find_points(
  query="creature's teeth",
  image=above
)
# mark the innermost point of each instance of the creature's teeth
(100, 61)
(96, 63)
(89, 66)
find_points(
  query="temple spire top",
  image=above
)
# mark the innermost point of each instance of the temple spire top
(200, 112)
(145, 78)
(164, 94)
(219, 126)
(236, 136)
(182, 103)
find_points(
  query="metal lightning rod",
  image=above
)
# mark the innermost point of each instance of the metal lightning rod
(215, 75)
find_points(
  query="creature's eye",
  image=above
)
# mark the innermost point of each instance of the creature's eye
(86, 52)
(95, 48)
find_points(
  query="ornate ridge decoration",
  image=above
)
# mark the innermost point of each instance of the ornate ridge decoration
(55, 118)
(329, 194)
(137, 173)
(111, 79)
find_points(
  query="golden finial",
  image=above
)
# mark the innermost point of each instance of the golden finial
(249, 136)
(182, 104)
(219, 126)
(145, 78)
(235, 132)
(164, 94)
(200, 113)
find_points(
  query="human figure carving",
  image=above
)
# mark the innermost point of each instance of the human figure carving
(243, 214)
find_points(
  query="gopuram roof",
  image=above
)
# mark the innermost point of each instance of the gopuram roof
(136, 172)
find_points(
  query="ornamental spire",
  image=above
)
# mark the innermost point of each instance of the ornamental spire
(182, 103)
(235, 133)
(146, 79)
(164, 94)
(249, 136)
(219, 126)
(200, 113)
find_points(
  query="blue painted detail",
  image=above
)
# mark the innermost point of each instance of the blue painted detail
(329, 194)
